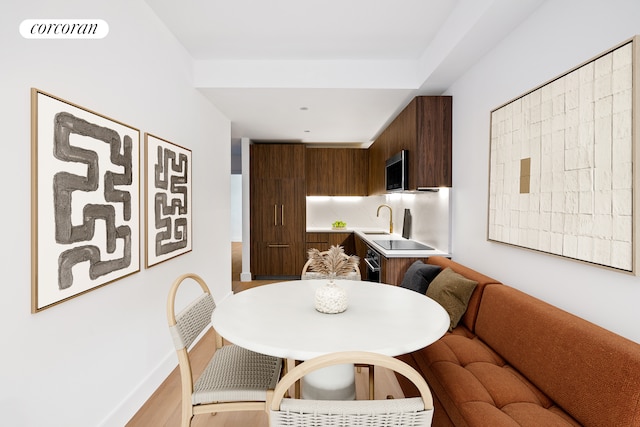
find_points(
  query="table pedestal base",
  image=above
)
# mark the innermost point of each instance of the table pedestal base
(336, 382)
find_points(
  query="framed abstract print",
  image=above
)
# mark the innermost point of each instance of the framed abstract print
(564, 164)
(85, 199)
(168, 209)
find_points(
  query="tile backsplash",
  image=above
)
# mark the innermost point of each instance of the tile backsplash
(430, 212)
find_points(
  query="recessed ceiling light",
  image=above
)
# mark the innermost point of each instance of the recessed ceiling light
(304, 108)
(307, 131)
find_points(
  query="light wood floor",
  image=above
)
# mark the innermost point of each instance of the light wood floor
(163, 407)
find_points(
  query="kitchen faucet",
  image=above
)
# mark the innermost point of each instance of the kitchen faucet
(390, 216)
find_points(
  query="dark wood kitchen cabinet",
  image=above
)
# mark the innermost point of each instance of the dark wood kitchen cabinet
(424, 128)
(377, 158)
(336, 171)
(323, 241)
(277, 209)
(392, 270)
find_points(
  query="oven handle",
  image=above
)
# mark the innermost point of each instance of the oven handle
(371, 266)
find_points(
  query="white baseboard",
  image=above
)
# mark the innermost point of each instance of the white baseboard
(123, 413)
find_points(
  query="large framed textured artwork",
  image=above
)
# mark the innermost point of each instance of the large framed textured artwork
(564, 164)
(168, 200)
(85, 200)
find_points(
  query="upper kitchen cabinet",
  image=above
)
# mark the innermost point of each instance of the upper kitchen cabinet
(336, 171)
(277, 161)
(377, 158)
(424, 129)
(278, 209)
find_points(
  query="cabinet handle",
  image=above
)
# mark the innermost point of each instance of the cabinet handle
(277, 246)
(275, 214)
(281, 214)
(372, 267)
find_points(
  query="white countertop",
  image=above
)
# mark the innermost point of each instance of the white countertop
(366, 235)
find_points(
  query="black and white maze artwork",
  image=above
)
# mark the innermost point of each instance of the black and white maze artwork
(64, 185)
(171, 203)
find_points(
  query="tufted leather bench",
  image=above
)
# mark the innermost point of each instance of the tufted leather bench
(518, 361)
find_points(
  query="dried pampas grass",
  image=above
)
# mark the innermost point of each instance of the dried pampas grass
(334, 261)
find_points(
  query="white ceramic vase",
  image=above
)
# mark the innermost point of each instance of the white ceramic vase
(331, 298)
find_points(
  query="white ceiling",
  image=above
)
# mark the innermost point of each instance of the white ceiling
(331, 71)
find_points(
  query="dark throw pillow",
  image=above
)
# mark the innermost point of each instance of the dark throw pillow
(419, 275)
(452, 291)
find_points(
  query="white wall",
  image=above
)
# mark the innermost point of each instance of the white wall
(236, 208)
(557, 37)
(93, 360)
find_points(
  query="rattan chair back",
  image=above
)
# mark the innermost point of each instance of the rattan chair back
(235, 379)
(406, 412)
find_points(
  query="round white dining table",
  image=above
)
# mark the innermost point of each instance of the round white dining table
(280, 320)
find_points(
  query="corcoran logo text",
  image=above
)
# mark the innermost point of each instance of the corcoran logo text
(64, 28)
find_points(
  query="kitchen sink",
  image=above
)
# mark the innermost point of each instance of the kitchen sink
(376, 233)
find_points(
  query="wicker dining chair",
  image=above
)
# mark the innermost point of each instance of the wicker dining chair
(406, 412)
(235, 379)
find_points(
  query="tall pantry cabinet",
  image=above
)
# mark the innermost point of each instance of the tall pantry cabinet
(277, 209)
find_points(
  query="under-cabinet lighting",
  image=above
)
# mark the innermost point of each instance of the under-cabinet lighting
(347, 199)
(339, 199)
(393, 196)
(408, 197)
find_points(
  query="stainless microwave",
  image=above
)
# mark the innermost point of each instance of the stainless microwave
(397, 172)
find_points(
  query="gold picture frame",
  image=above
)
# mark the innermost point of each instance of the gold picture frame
(85, 198)
(564, 164)
(168, 200)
